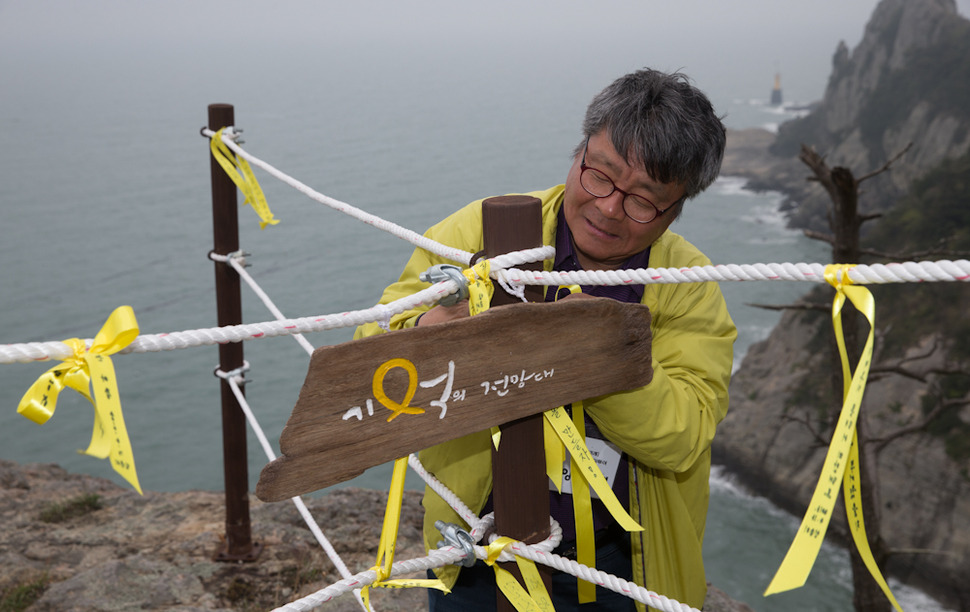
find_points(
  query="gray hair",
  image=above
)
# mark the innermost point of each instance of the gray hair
(663, 123)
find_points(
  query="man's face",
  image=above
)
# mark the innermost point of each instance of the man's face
(603, 235)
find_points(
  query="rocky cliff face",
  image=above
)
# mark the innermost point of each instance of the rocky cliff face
(782, 405)
(906, 82)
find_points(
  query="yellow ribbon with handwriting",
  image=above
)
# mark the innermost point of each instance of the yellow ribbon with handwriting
(554, 450)
(480, 287)
(571, 435)
(242, 175)
(385, 549)
(842, 459)
(480, 290)
(537, 598)
(583, 512)
(90, 368)
(588, 470)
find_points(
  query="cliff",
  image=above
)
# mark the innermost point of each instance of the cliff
(75, 542)
(907, 81)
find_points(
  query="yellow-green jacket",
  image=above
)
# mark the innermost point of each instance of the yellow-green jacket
(665, 427)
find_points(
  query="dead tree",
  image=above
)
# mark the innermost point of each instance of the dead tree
(845, 223)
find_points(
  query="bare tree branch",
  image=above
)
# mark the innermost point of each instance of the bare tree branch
(919, 551)
(936, 252)
(886, 166)
(876, 371)
(829, 238)
(820, 441)
(944, 405)
(796, 306)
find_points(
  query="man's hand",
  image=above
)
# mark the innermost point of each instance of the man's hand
(577, 296)
(443, 314)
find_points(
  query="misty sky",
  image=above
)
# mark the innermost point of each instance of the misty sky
(700, 36)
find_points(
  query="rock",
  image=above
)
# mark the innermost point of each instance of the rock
(155, 552)
(870, 112)
(747, 154)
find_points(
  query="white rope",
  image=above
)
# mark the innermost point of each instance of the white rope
(234, 378)
(436, 558)
(238, 263)
(539, 553)
(373, 220)
(44, 351)
(907, 272)
(149, 343)
(444, 492)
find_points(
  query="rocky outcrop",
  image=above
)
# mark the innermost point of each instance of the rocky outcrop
(123, 551)
(154, 552)
(905, 83)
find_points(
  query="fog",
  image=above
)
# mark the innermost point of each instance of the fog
(750, 39)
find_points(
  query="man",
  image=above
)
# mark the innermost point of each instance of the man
(650, 142)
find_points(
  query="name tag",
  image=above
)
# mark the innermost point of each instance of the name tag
(607, 457)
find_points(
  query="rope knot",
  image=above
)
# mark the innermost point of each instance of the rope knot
(837, 275)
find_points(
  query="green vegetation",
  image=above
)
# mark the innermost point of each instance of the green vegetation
(933, 215)
(949, 426)
(72, 508)
(20, 597)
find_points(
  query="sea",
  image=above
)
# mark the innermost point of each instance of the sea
(104, 188)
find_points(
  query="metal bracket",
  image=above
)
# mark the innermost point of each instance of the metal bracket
(459, 538)
(444, 272)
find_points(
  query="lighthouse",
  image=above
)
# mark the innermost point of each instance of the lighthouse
(776, 92)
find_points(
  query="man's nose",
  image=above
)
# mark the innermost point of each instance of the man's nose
(612, 205)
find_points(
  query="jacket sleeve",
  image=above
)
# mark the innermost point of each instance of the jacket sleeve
(462, 230)
(669, 423)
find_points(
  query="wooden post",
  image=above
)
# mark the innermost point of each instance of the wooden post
(239, 545)
(520, 489)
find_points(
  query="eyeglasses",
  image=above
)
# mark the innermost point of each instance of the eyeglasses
(598, 185)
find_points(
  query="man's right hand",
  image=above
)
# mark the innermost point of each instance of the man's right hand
(443, 314)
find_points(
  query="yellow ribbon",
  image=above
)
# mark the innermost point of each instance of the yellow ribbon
(480, 290)
(554, 450)
(583, 512)
(84, 367)
(585, 474)
(588, 470)
(537, 598)
(242, 175)
(842, 458)
(480, 287)
(385, 549)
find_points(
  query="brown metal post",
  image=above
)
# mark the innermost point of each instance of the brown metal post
(239, 544)
(520, 489)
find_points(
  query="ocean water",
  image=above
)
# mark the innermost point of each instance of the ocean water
(104, 186)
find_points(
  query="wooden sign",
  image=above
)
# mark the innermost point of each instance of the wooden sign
(377, 399)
